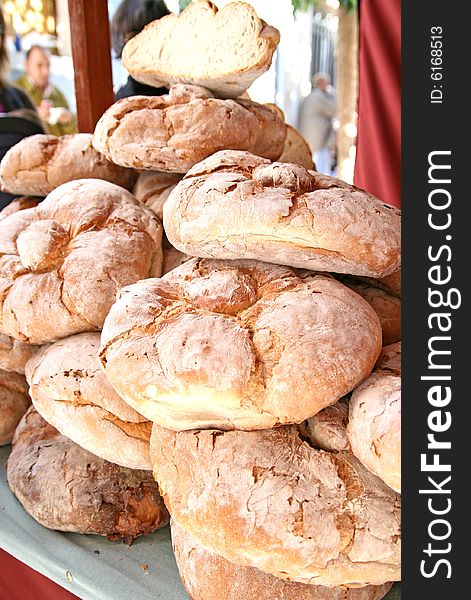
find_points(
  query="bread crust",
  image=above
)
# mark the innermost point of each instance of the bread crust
(374, 427)
(386, 305)
(208, 576)
(237, 345)
(236, 205)
(19, 204)
(152, 188)
(70, 391)
(14, 402)
(172, 50)
(67, 488)
(40, 163)
(62, 262)
(328, 429)
(176, 131)
(269, 500)
(296, 150)
(14, 354)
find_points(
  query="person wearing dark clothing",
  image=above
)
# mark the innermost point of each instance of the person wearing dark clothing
(129, 19)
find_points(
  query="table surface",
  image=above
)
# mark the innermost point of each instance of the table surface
(90, 566)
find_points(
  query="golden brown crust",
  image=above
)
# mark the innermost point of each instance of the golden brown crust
(328, 429)
(62, 262)
(237, 344)
(374, 428)
(176, 131)
(236, 205)
(208, 576)
(269, 500)
(386, 306)
(40, 163)
(235, 48)
(14, 402)
(70, 390)
(67, 488)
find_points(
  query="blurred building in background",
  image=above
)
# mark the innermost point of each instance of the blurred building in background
(321, 38)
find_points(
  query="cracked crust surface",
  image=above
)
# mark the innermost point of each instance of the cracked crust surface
(14, 402)
(175, 131)
(69, 389)
(40, 163)
(67, 488)
(374, 428)
(208, 576)
(62, 262)
(14, 354)
(269, 500)
(237, 344)
(328, 429)
(222, 50)
(386, 305)
(237, 205)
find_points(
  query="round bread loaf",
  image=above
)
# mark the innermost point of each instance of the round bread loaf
(69, 389)
(269, 500)
(19, 204)
(328, 429)
(386, 306)
(67, 488)
(296, 150)
(222, 50)
(14, 402)
(14, 354)
(237, 345)
(208, 576)
(153, 188)
(236, 205)
(40, 163)
(62, 262)
(374, 427)
(390, 283)
(176, 131)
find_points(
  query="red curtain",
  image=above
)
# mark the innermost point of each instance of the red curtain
(20, 582)
(378, 161)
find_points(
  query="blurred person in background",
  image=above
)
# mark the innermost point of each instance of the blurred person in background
(129, 19)
(50, 101)
(316, 117)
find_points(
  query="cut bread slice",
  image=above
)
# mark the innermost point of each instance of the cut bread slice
(224, 51)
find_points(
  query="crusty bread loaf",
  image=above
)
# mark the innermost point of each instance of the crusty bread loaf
(237, 344)
(390, 283)
(224, 51)
(152, 188)
(19, 204)
(269, 500)
(296, 149)
(386, 305)
(14, 402)
(328, 429)
(14, 354)
(208, 576)
(40, 163)
(62, 262)
(176, 131)
(70, 391)
(67, 488)
(374, 427)
(238, 205)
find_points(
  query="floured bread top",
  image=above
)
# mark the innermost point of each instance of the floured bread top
(237, 205)
(62, 262)
(222, 50)
(237, 344)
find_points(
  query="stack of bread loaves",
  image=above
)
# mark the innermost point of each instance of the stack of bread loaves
(243, 352)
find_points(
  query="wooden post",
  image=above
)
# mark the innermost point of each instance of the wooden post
(90, 36)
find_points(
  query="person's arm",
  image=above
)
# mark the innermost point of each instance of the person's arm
(328, 105)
